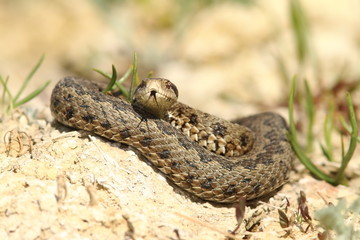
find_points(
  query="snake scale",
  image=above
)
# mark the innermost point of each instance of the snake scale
(217, 168)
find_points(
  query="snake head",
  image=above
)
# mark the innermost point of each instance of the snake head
(154, 97)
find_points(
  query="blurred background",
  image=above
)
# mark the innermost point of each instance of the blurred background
(229, 58)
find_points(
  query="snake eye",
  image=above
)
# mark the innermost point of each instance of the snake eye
(170, 85)
(141, 85)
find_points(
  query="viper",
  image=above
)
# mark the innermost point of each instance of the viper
(214, 159)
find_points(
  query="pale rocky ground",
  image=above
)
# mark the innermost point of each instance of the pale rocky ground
(71, 185)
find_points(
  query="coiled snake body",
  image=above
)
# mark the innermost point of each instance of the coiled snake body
(250, 157)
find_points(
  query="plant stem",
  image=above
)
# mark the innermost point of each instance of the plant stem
(112, 79)
(309, 105)
(28, 78)
(295, 144)
(353, 141)
(134, 78)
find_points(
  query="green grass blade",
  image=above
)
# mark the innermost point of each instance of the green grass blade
(353, 141)
(328, 128)
(342, 147)
(150, 74)
(3, 83)
(295, 144)
(31, 95)
(28, 78)
(284, 73)
(112, 80)
(134, 78)
(6, 90)
(326, 153)
(300, 27)
(119, 82)
(125, 76)
(291, 109)
(310, 111)
(347, 126)
(102, 73)
(124, 91)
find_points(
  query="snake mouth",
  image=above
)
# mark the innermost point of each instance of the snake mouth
(153, 94)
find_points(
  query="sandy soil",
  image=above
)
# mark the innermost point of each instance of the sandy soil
(58, 183)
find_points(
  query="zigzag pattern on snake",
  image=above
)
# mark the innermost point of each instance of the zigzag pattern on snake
(80, 104)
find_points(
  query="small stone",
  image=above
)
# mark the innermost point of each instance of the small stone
(71, 143)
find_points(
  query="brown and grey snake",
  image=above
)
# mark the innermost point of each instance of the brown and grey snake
(214, 159)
